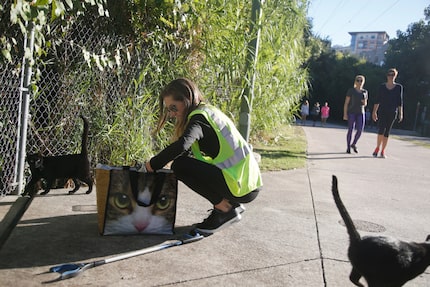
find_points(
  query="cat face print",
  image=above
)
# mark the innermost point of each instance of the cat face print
(138, 211)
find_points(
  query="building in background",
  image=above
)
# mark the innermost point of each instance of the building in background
(369, 45)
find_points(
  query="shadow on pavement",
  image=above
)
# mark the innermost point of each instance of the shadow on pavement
(73, 238)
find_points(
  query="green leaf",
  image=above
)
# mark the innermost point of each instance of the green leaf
(58, 9)
(6, 54)
(69, 3)
(167, 22)
(41, 2)
(14, 12)
(54, 8)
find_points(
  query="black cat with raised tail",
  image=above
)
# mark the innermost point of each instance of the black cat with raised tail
(50, 168)
(382, 261)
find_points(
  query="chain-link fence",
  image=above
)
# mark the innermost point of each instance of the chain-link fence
(67, 87)
(9, 113)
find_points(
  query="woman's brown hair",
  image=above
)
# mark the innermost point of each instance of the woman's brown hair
(183, 90)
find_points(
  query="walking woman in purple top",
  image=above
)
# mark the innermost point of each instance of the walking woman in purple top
(388, 106)
(353, 112)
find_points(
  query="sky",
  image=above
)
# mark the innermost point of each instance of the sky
(333, 19)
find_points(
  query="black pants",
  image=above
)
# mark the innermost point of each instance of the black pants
(385, 123)
(207, 180)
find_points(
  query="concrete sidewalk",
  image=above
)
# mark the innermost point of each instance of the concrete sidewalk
(289, 236)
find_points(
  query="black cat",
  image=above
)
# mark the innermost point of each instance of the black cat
(382, 261)
(74, 166)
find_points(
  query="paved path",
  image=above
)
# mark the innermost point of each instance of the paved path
(289, 236)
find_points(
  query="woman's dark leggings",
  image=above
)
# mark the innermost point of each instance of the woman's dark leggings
(385, 123)
(207, 180)
(357, 121)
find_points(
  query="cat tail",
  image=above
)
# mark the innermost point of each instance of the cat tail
(352, 231)
(84, 149)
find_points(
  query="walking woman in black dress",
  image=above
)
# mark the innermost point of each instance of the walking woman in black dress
(388, 106)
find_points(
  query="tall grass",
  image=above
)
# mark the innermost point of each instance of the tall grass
(124, 127)
(208, 44)
(281, 80)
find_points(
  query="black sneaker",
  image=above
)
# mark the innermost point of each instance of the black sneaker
(240, 208)
(354, 148)
(218, 220)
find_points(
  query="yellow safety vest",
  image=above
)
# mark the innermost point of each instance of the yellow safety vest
(235, 159)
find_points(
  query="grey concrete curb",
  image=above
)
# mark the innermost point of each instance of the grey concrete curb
(12, 217)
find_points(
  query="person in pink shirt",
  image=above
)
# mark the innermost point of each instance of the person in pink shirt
(325, 113)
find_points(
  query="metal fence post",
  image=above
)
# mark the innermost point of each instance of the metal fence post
(24, 100)
(251, 60)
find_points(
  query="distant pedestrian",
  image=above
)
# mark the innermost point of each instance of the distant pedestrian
(304, 110)
(353, 111)
(388, 106)
(315, 112)
(424, 114)
(368, 117)
(325, 113)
